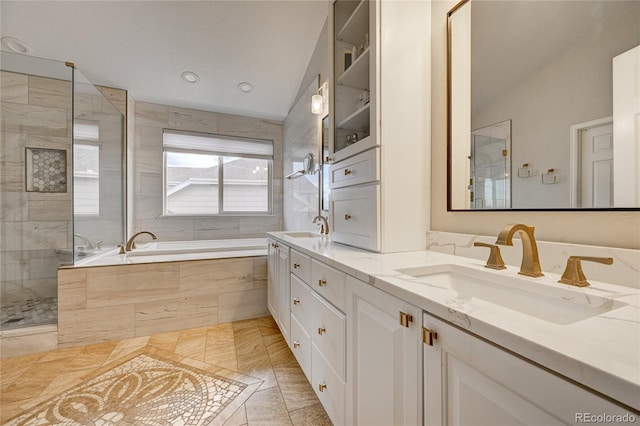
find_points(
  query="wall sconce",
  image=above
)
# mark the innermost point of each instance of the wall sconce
(317, 104)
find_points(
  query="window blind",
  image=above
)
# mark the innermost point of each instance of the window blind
(217, 144)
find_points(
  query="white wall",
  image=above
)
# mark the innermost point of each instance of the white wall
(615, 229)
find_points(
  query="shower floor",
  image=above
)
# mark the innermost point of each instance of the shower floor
(29, 312)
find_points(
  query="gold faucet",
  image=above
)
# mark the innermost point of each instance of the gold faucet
(324, 226)
(530, 261)
(130, 242)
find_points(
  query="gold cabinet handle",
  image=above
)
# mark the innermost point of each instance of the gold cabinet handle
(405, 319)
(328, 159)
(321, 330)
(296, 265)
(322, 283)
(322, 387)
(573, 274)
(347, 216)
(296, 344)
(296, 301)
(347, 172)
(428, 336)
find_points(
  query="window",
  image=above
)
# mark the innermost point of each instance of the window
(86, 169)
(208, 174)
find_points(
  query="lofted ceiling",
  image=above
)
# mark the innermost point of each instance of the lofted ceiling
(144, 46)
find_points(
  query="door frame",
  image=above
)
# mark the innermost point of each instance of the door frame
(575, 145)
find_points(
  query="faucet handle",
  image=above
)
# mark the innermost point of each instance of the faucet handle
(495, 259)
(573, 274)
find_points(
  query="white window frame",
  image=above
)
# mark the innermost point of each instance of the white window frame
(230, 152)
(87, 133)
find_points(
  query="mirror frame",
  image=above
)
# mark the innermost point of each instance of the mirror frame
(449, 144)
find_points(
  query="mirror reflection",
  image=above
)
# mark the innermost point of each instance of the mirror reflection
(544, 105)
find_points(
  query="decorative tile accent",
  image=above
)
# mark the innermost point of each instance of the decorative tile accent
(46, 170)
(145, 389)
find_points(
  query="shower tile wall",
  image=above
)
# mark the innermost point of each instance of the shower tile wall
(35, 226)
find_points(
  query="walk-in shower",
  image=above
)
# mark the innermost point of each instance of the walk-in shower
(61, 181)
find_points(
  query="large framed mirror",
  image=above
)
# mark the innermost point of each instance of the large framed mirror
(543, 105)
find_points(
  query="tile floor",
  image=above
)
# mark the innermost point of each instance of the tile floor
(251, 347)
(29, 312)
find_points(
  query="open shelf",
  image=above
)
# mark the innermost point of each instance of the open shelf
(357, 75)
(357, 25)
(358, 120)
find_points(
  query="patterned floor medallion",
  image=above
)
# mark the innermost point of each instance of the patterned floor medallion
(144, 390)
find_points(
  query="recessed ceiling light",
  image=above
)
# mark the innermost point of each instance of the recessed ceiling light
(245, 87)
(190, 77)
(16, 45)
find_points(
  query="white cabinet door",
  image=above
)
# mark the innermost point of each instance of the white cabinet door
(284, 289)
(278, 289)
(468, 381)
(272, 279)
(384, 385)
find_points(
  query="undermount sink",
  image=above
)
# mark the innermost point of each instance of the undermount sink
(301, 234)
(553, 304)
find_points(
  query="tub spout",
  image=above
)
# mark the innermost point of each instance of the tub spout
(130, 242)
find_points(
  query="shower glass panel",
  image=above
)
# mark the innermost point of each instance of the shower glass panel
(98, 168)
(61, 181)
(35, 186)
(490, 167)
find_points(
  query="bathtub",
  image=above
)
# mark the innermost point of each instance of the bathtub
(161, 287)
(171, 251)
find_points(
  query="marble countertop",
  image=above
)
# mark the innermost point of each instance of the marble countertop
(600, 351)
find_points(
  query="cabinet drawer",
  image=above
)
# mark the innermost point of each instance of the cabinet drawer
(355, 217)
(328, 333)
(301, 266)
(328, 282)
(362, 168)
(328, 386)
(301, 346)
(301, 303)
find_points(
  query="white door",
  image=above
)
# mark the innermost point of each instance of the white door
(383, 358)
(596, 165)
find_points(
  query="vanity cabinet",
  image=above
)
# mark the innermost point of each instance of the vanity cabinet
(278, 286)
(468, 381)
(379, 156)
(318, 328)
(384, 358)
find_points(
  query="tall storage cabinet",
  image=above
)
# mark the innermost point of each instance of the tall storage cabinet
(380, 136)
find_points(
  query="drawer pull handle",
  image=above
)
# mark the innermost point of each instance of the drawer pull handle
(405, 319)
(296, 265)
(321, 330)
(296, 301)
(428, 336)
(347, 172)
(347, 216)
(296, 344)
(322, 283)
(322, 387)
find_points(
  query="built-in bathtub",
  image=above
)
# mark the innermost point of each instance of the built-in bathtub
(168, 251)
(161, 287)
